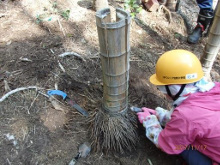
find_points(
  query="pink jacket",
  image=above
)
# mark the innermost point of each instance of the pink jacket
(195, 121)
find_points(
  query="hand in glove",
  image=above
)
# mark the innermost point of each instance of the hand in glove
(163, 115)
(151, 123)
(145, 112)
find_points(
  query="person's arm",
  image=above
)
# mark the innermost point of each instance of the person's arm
(153, 128)
(174, 138)
(178, 134)
(151, 124)
(163, 115)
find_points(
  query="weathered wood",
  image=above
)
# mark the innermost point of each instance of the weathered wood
(114, 53)
(171, 5)
(100, 4)
(213, 44)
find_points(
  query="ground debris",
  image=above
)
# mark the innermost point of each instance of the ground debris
(71, 54)
(25, 59)
(56, 104)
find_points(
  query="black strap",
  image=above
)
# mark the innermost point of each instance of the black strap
(177, 95)
(168, 91)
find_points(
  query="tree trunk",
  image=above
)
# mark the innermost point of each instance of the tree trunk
(100, 4)
(213, 44)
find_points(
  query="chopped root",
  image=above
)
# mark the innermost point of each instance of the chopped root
(114, 133)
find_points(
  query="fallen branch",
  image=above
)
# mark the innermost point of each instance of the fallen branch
(32, 103)
(149, 161)
(93, 101)
(61, 66)
(25, 59)
(71, 54)
(17, 90)
(43, 94)
(94, 57)
(52, 51)
(61, 27)
(7, 88)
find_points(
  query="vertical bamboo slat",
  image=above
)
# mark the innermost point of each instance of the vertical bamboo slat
(212, 45)
(114, 53)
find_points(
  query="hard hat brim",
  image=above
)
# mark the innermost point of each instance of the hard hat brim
(153, 80)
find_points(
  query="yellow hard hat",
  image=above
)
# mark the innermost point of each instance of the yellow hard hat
(177, 67)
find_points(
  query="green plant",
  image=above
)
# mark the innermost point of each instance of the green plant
(133, 7)
(48, 14)
(54, 5)
(65, 14)
(39, 19)
(43, 17)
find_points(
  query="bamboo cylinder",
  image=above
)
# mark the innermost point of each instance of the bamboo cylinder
(213, 44)
(114, 54)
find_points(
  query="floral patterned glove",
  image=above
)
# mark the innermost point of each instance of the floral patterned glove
(163, 115)
(153, 128)
(143, 115)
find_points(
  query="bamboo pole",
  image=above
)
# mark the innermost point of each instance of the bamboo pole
(114, 128)
(213, 44)
(114, 53)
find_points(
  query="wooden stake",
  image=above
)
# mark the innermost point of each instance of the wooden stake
(213, 44)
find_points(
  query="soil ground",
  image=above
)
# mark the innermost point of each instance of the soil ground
(37, 130)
